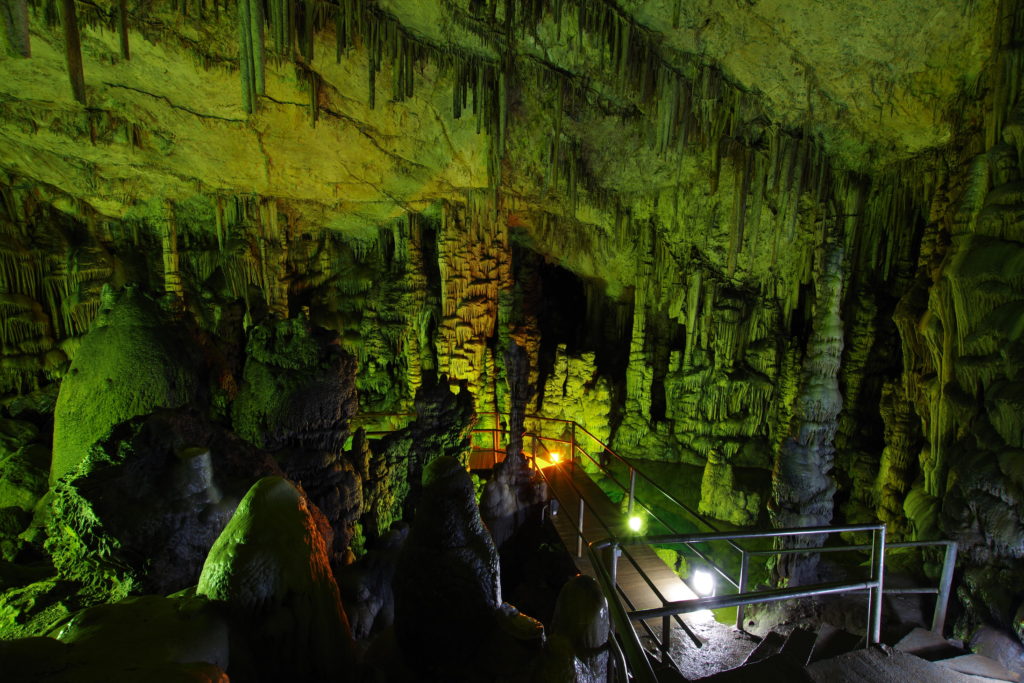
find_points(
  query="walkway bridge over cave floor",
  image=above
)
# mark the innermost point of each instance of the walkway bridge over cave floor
(614, 519)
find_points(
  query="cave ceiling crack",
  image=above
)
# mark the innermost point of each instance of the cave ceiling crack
(364, 129)
(180, 107)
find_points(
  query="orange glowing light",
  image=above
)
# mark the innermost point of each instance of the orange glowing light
(556, 457)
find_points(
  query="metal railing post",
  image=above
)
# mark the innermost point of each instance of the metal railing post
(874, 631)
(572, 442)
(945, 581)
(742, 588)
(632, 488)
(579, 530)
(613, 563)
(497, 435)
(666, 634)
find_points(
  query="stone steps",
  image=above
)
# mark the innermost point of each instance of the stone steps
(951, 655)
(830, 655)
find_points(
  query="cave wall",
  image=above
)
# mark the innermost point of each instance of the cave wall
(382, 173)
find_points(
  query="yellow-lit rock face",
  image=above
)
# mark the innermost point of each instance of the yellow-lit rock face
(162, 125)
(871, 79)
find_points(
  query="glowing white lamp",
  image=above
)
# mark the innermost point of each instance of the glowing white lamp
(556, 458)
(635, 523)
(703, 582)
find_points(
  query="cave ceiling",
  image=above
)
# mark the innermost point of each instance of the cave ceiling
(872, 82)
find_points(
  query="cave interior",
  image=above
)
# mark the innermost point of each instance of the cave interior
(271, 269)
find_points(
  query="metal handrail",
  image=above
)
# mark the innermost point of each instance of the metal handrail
(874, 586)
(941, 591)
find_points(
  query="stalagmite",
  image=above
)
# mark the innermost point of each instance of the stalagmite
(802, 482)
(122, 28)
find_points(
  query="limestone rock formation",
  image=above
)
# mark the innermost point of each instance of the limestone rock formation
(447, 587)
(393, 472)
(297, 396)
(142, 510)
(366, 586)
(803, 486)
(271, 570)
(133, 361)
(579, 635)
(298, 389)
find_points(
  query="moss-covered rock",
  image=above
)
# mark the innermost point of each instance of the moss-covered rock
(140, 513)
(722, 497)
(132, 361)
(23, 476)
(149, 638)
(34, 607)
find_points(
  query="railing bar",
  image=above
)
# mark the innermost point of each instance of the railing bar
(701, 538)
(838, 548)
(720, 601)
(945, 582)
(906, 591)
(808, 551)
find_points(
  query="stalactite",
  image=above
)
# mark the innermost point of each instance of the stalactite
(73, 49)
(247, 66)
(256, 22)
(308, 30)
(15, 19)
(122, 28)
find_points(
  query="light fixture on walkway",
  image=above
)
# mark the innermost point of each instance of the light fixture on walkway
(703, 583)
(635, 523)
(556, 458)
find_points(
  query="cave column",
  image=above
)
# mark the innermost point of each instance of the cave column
(802, 482)
(417, 287)
(639, 373)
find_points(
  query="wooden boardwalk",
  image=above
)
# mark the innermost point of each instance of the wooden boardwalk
(601, 519)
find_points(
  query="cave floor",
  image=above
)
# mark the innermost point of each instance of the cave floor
(724, 647)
